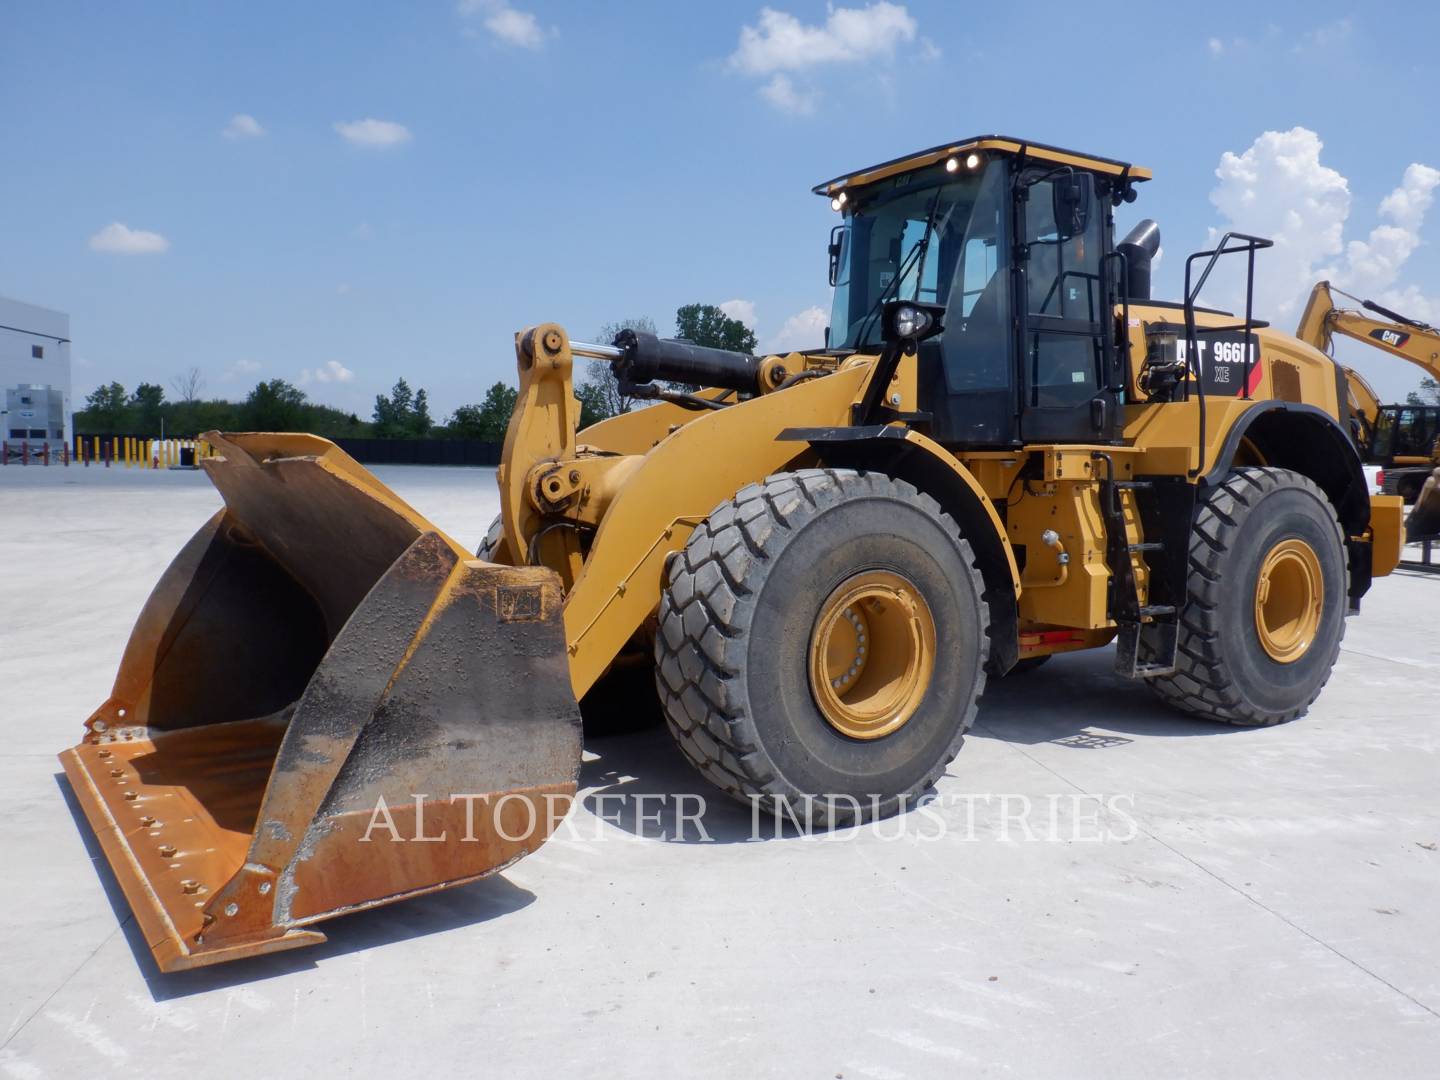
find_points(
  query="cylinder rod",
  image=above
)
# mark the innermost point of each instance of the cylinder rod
(595, 352)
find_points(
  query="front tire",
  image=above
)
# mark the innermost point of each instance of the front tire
(822, 644)
(1267, 598)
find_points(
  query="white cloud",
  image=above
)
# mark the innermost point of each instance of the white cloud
(1216, 46)
(119, 239)
(373, 133)
(507, 24)
(744, 310)
(333, 372)
(243, 126)
(239, 368)
(1279, 188)
(1324, 37)
(780, 91)
(803, 330)
(780, 43)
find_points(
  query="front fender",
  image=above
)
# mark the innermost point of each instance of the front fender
(690, 472)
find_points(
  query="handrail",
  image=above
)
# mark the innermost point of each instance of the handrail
(1250, 245)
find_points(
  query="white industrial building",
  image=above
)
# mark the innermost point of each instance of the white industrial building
(35, 406)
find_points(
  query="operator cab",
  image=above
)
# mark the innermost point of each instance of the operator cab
(1005, 235)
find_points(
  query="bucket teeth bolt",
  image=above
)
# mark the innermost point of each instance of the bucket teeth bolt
(167, 851)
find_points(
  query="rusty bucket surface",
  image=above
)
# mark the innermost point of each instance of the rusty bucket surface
(321, 687)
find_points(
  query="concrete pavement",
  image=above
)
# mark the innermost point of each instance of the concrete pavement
(1102, 889)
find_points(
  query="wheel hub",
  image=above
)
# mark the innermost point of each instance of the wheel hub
(1289, 598)
(872, 654)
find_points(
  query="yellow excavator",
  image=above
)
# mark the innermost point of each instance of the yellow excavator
(1004, 449)
(1403, 439)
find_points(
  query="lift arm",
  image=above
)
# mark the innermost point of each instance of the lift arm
(1408, 339)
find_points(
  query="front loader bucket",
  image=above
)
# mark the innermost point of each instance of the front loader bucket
(326, 704)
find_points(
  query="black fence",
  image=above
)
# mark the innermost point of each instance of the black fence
(421, 451)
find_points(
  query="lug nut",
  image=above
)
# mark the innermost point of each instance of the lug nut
(190, 886)
(167, 851)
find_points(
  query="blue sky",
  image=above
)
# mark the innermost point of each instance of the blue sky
(586, 163)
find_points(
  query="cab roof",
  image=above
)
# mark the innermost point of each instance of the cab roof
(1003, 144)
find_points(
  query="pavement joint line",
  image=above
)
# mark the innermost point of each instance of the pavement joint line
(1223, 881)
(1388, 659)
(64, 983)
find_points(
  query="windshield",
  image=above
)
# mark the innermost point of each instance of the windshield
(904, 242)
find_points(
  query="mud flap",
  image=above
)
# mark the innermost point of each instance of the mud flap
(325, 705)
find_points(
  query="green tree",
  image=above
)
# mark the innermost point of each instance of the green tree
(488, 420)
(275, 405)
(420, 422)
(595, 402)
(403, 413)
(1428, 394)
(706, 324)
(146, 402)
(105, 406)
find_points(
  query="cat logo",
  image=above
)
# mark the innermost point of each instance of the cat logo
(1393, 338)
(519, 603)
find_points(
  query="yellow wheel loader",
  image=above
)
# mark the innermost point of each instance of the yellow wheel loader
(1004, 449)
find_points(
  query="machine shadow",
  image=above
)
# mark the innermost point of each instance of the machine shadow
(1077, 700)
(641, 784)
(449, 909)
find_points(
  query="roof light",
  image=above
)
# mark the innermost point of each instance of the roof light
(838, 202)
(951, 164)
(973, 161)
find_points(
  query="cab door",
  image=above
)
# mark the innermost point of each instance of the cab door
(1066, 309)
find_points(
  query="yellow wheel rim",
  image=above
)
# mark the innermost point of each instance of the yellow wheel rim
(872, 653)
(1289, 599)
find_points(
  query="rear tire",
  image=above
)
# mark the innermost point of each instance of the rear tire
(741, 636)
(1232, 664)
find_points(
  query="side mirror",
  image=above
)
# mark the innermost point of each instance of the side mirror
(838, 236)
(1070, 193)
